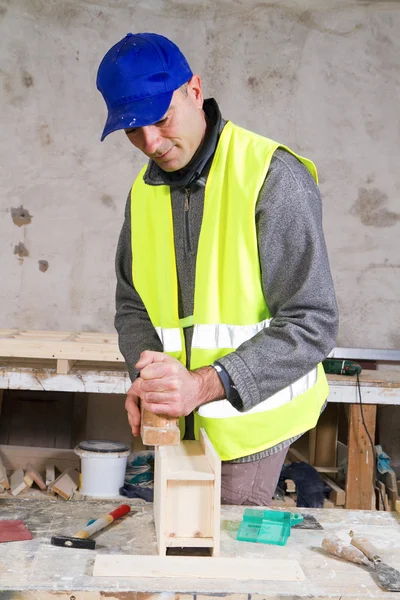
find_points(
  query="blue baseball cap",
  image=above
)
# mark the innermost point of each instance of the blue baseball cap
(137, 78)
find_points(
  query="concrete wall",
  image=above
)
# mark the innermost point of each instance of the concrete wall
(322, 77)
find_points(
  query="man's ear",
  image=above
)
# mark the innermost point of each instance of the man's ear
(195, 90)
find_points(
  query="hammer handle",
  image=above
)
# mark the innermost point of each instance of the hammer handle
(102, 522)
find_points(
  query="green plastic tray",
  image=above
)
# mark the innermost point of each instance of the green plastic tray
(267, 526)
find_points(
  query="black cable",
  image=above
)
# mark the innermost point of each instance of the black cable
(370, 441)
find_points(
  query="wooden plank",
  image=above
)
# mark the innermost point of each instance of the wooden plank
(61, 345)
(388, 379)
(160, 494)
(197, 567)
(215, 464)
(360, 482)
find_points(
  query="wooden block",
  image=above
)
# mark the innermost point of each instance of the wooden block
(66, 484)
(360, 481)
(197, 567)
(17, 482)
(397, 506)
(159, 430)
(337, 495)
(3, 477)
(50, 474)
(64, 366)
(28, 480)
(35, 476)
(290, 486)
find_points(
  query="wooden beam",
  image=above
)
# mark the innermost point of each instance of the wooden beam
(337, 495)
(326, 437)
(360, 482)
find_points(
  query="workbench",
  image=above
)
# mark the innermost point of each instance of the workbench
(36, 570)
(66, 371)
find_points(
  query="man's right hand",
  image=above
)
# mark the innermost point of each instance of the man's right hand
(133, 410)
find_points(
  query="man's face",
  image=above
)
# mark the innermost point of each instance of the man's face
(173, 141)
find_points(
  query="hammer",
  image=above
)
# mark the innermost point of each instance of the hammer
(81, 537)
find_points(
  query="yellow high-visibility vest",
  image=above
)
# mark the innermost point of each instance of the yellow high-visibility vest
(229, 304)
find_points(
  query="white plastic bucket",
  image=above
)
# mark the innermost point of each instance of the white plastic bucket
(103, 466)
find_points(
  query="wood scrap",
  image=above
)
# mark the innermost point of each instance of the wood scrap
(50, 474)
(35, 476)
(28, 480)
(66, 484)
(17, 482)
(3, 477)
(197, 567)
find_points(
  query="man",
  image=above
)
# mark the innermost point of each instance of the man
(225, 302)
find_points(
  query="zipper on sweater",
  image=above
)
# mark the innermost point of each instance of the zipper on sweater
(186, 217)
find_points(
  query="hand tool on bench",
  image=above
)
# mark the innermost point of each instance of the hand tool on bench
(81, 539)
(363, 553)
(388, 577)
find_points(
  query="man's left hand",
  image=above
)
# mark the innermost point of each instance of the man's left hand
(166, 387)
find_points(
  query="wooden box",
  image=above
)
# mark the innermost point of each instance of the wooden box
(187, 495)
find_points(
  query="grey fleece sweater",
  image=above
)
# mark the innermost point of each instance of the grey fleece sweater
(296, 280)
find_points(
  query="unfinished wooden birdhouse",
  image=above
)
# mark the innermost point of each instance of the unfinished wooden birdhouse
(187, 495)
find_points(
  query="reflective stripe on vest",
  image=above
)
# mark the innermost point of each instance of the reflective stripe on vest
(211, 336)
(229, 303)
(222, 409)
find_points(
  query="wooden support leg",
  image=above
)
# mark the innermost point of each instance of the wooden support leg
(326, 437)
(64, 366)
(360, 482)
